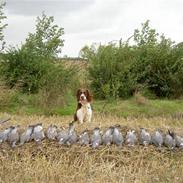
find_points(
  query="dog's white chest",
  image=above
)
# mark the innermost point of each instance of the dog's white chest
(84, 113)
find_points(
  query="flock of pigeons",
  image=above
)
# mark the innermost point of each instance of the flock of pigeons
(69, 136)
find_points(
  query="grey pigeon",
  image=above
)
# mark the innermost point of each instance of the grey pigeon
(68, 136)
(38, 133)
(27, 135)
(145, 137)
(4, 135)
(157, 138)
(72, 135)
(84, 138)
(62, 136)
(169, 140)
(108, 136)
(179, 141)
(131, 138)
(117, 136)
(1, 137)
(13, 136)
(96, 139)
(51, 132)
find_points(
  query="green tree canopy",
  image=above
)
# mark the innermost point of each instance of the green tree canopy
(2, 26)
(46, 42)
(26, 66)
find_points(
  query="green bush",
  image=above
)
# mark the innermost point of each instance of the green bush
(153, 63)
(22, 70)
(2, 27)
(25, 67)
(55, 85)
(158, 64)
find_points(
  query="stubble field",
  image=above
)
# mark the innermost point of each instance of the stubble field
(53, 163)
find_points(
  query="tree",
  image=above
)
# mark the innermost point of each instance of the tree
(87, 52)
(26, 66)
(146, 35)
(46, 42)
(2, 27)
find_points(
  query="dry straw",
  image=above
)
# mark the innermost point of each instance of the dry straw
(53, 163)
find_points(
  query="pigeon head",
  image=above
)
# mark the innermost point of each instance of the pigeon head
(38, 127)
(97, 129)
(39, 124)
(171, 133)
(12, 127)
(53, 126)
(117, 126)
(31, 126)
(133, 131)
(160, 130)
(142, 129)
(71, 123)
(85, 131)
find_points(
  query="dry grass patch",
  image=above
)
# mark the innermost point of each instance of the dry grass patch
(53, 163)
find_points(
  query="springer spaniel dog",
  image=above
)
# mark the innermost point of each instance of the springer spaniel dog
(84, 110)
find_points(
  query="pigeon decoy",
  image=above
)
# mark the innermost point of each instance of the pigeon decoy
(67, 136)
(13, 136)
(169, 140)
(1, 137)
(96, 139)
(107, 137)
(145, 137)
(72, 135)
(179, 141)
(51, 132)
(38, 133)
(117, 136)
(131, 138)
(4, 135)
(27, 135)
(84, 138)
(157, 138)
(62, 136)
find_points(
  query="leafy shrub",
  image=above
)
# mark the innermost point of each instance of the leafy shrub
(22, 70)
(55, 85)
(26, 66)
(108, 71)
(2, 26)
(153, 63)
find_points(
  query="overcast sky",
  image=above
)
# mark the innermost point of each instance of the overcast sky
(94, 21)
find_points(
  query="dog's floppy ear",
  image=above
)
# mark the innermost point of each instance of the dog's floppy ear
(89, 95)
(77, 94)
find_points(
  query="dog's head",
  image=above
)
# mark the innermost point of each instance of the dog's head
(84, 95)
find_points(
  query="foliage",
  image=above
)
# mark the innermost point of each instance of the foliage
(158, 63)
(108, 69)
(55, 86)
(46, 42)
(23, 70)
(26, 66)
(2, 26)
(152, 63)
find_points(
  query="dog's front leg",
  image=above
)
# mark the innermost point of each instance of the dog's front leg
(80, 116)
(89, 115)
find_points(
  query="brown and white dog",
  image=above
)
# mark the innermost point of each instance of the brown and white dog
(84, 110)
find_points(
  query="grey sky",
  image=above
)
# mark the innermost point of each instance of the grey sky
(88, 21)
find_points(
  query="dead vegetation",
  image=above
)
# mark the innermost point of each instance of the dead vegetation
(53, 163)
